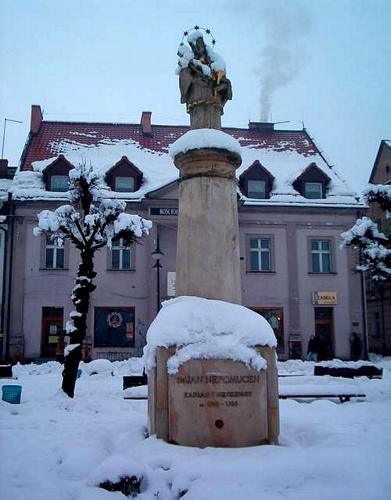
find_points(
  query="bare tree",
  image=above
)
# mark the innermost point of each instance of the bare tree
(90, 222)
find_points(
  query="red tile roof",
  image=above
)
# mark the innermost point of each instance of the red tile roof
(47, 142)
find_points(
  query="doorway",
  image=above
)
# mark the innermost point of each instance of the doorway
(324, 331)
(52, 330)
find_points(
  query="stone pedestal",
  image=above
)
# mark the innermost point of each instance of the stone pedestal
(208, 263)
(214, 402)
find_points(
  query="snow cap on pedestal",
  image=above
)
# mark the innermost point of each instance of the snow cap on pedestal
(204, 138)
(204, 329)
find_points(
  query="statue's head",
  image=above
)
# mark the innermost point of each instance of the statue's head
(198, 47)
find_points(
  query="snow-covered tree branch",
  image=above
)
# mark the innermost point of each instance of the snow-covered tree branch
(90, 222)
(374, 245)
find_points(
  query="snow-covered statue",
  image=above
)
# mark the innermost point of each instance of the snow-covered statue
(202, 81)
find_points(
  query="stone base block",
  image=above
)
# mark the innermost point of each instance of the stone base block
(214, 402)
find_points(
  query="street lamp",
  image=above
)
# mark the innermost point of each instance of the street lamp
(157, 254)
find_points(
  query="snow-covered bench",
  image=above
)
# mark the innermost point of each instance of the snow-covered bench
(134, 381)
(327, 391)
(370, 371)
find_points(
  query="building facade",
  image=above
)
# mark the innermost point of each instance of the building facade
(379, 294)
(292, 208)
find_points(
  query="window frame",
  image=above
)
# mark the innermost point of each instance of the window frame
(52, 245)
(330, 252)
(270, 239)
(263, 193)
(121, 248)
(319, 184)
(117, 177)
(56, 176)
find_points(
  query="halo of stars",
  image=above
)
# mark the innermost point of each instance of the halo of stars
(198, 28)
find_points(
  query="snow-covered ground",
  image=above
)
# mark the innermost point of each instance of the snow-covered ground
(52, 447)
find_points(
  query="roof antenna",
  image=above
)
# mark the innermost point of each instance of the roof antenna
(4, 129)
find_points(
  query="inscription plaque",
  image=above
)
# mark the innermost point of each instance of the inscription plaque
(217, 402)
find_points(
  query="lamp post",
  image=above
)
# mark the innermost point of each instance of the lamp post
(364, 306)
(157, 254)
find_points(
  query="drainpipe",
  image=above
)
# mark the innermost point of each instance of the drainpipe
(3, 291)
(11, 240)
(364, 314)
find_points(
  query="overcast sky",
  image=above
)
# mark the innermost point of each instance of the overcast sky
(326, 63)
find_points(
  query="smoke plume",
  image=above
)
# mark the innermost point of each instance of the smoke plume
(286, 26)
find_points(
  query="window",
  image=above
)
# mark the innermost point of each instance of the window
(121, 256)
(260, 254)
(313, 190)
(54, 254)
(321, 256)
(124, 184)
(59, 183)
(256, 189)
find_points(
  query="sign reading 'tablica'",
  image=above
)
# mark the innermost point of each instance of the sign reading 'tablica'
(324, 298)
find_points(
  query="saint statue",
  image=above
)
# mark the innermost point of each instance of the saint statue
(203, 84)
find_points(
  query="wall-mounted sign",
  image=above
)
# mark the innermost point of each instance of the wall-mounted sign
(171, 284)
(324, 298)
(163, 211)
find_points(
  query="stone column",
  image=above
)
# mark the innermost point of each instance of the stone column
(208, 262)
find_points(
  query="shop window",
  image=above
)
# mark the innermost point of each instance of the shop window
(275, 317)
(114, 327)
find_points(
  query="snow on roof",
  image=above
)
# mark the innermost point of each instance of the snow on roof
(201, 328)
(284, 153)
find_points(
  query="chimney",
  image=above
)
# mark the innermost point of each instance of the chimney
(146, 122)
(36, 118)
(261, 126)
(3, 169)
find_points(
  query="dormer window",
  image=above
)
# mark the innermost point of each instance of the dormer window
(256, 182)
(124, 177)
(59, 183)
(256, 189)
(313, 190)
(312, 183)
(56, 175)
(124, 184)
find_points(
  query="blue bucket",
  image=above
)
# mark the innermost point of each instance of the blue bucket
(11, 394)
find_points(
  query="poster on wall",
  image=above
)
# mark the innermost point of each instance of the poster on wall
(114, 327)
